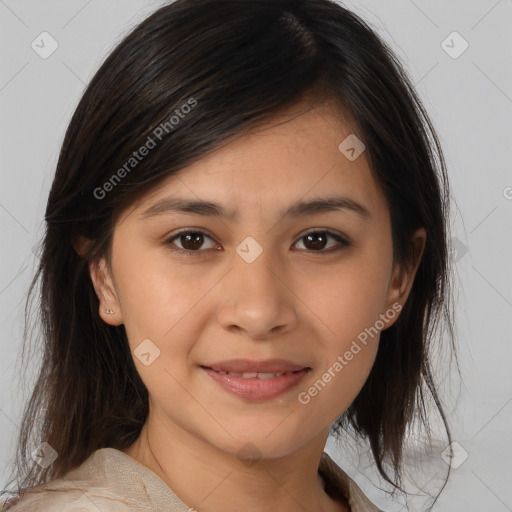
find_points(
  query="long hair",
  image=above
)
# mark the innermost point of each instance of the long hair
(234, 64)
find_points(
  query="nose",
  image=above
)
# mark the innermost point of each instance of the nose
(257, 299)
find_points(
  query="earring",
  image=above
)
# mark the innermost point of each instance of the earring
(109, 311)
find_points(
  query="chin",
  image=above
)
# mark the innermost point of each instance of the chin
(253, 444)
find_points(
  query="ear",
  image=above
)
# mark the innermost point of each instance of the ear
(106, 292)
(403, 275)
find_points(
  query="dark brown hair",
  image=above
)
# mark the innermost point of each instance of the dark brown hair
(241, 62)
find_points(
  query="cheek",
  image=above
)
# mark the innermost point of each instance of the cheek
(155, 295)
(349, 302)
(340, 378)
(347, 298)
(346, 378)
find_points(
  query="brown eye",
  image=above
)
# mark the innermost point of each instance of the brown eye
(316, 241)
(190, 242)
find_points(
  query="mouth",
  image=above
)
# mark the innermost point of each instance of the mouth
(255, 385)
(243, 366)
(253, 375)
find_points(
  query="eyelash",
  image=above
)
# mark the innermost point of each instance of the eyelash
(344, 243)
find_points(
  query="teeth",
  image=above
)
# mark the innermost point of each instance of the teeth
(253, 375)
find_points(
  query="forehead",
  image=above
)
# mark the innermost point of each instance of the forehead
(295, 155)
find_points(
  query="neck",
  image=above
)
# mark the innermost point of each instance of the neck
(211, 480)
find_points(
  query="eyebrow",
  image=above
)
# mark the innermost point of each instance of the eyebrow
(298, 209)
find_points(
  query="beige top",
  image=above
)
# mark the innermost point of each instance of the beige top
(111, 481)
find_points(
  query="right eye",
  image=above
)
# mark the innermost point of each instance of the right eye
(191, 240)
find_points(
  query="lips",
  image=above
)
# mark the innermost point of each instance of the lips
(239, 367)
(254, 375)
(256, 380)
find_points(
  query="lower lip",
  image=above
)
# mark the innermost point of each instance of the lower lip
(255, 388)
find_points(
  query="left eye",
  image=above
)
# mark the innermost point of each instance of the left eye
(192, 240)
(318, 240)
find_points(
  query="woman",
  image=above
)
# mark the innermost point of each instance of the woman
(246, 250)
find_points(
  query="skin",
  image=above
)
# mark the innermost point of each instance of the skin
(292, 302)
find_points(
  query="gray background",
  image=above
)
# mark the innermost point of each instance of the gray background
(470, 101)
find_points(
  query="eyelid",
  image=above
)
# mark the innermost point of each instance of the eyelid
(342, 239)
(329, 231)
(169, 240)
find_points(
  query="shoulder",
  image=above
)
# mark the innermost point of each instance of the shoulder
(108, 481)
(83, 489)
(71, 500)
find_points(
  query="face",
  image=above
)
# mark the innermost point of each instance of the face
(258, 277)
